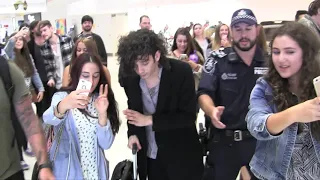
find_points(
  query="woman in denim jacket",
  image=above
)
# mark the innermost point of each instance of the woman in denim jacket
(89, 123)
(284, 111)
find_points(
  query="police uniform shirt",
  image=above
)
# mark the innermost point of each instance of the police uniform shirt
(229, 82)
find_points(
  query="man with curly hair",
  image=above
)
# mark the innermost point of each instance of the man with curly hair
(161, 109)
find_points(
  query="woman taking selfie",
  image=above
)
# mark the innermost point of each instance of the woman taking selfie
(284, 110)
(222, 37)
(89, 121)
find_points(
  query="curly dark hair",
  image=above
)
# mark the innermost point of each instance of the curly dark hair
(310, 69)
(139, 45)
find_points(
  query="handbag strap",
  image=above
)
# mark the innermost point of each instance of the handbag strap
(59, 138)
(48, 130)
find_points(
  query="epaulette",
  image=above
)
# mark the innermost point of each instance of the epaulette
(219, 53)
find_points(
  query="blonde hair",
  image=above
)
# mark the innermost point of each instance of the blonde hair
(209, 32)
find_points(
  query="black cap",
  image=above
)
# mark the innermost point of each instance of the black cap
(243, 15)
(86, 18)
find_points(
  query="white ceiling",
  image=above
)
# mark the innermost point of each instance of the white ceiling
(6, 6)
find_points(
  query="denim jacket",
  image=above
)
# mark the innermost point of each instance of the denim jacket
(10, 55)
(67, 164)
(273, 152)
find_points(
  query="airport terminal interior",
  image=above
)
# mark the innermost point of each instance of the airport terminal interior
(110, 20)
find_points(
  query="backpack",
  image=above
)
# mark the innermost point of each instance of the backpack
(123, 171)
(7, 82)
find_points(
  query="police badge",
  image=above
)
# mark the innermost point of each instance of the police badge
(210, 65)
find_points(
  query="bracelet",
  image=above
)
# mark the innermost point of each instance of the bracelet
(45, 165)
(60, 115)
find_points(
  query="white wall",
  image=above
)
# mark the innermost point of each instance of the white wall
(276, 9)
(182, 14)
(104, 24)
(11, 20)
(175, 13)
(6, 6)
(214, 10)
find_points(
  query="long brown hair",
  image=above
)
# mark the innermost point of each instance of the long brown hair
(310, 69)
(262, 40)
(191, 45)
(23, 59)
(75, 74)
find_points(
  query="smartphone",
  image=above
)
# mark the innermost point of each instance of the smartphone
(84, 84)
(316, 84)
(183, 56)
(224, 36)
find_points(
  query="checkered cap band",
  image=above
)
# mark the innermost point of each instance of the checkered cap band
(244, 17)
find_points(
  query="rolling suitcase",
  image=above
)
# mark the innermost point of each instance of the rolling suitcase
(127, 169)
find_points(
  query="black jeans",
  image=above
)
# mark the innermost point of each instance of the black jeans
(17, 176)
(156, 170)
(226, 157)
(46, 101)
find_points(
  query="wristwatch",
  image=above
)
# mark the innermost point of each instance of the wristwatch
(45, 165)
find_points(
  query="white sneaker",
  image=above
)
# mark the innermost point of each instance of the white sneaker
(24, 166)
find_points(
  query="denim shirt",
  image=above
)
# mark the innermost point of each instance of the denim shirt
(149, 108)
(66, 164)
(273, 152)
(10, 55)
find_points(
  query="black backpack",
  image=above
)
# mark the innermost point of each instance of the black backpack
(6, 78)
(123, 171)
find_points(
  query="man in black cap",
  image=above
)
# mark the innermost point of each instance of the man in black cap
(87, 23)
(228, 76)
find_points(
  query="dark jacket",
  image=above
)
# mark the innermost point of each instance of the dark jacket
(38, 60)
(174, 123)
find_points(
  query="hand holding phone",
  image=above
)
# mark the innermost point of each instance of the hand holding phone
(224, 36)
(183, 57)
(316, 84)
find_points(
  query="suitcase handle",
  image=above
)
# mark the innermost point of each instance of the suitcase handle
(135, 165)
(134, 148)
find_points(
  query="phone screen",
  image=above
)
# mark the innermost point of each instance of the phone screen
(183, 56)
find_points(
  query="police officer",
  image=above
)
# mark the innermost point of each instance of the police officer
(228, 77)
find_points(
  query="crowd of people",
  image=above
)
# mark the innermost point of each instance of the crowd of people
(261, 108)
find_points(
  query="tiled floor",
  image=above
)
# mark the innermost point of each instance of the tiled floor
(119, 150)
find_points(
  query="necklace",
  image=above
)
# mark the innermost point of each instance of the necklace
(152, 91)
